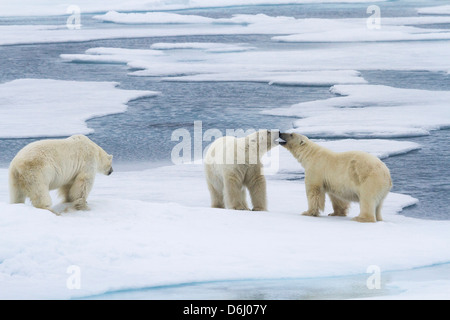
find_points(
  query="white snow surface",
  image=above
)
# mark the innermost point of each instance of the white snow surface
(241, 62)
(151, 17)
(357, 30)
(155, 227)
(312, 29)
(435, 10)
(212, 64)
(308, 30)
(51, 108)
(371, 111)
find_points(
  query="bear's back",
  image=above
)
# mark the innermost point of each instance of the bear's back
(51, 151)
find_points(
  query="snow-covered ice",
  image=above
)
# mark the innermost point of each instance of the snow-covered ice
(52, 108)
(210, 65)
(207, 62)
(356, 29)
(371, 111)
(112, 55)
(312, 30)
(152, 18)
(435, 10)
(313, 78)
(48, 7)
(154, 227)
(305, 30)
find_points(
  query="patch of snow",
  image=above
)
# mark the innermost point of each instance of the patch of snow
(435, 10)
(371, 111)
(155, 227)
(52, 108)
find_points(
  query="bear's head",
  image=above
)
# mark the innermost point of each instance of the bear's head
(266, 139)
(105, 165)
(293, 141)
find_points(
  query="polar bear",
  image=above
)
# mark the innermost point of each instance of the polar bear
(68, 164)
(234, 164)
(347, 176)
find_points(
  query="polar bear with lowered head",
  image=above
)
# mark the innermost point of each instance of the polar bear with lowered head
(346, 176)
(69, 165)
(233, 165)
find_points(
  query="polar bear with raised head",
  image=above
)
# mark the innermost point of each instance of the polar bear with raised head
(346, 176)
(69, 165)
(233, 165)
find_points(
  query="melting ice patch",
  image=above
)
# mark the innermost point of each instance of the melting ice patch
(371, 111)
(49, 7)
(305, 78)
(207, 46)
(322, 30)
(356, 30)
(240, 62)
(214, 62)
(175, 18)
(435, 10)
(50, 108)
(312, 30)
(112, 55)
(151, 18)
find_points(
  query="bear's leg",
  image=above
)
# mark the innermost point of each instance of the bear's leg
(80, 190)
(244, 196)
(233, 194)
(16, 192)
(257, 189)
(378, 212)
(216, 196)
(340, 207)
(367, 209)
(378, 209)
(316, 200)
(40, 198)
(64, 193)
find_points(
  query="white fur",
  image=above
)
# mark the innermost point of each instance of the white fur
(68, 164)
(346, 176)
(234, 164)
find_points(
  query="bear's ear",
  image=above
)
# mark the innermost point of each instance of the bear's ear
(302, 142)
(110, 156)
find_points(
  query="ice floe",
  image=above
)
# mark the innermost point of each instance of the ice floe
(51, 108)
(435, 10)
(288, 29)
(371, 111)
(213, 67)
(48, 7)
(155, 228)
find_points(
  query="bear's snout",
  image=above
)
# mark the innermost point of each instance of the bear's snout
(282, 138)
(110, 171)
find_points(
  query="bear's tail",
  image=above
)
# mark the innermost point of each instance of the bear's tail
(16, 194)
